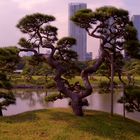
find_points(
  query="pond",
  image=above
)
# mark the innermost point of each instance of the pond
(34, 100)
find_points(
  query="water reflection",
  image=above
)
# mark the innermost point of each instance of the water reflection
(26, 101)
(102, 102)
(33, 100)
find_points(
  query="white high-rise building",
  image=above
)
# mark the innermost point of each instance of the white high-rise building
(78, 33)
(136, 22)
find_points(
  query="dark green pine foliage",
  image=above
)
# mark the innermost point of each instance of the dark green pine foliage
(8, 61)
(109, 24)
(131, 98)
(42, 36)
(117, 35)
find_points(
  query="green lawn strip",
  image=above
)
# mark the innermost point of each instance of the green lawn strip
(61, 124)
(95, 80)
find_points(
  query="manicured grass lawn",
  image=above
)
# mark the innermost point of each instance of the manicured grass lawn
(61, 124)
(95, 80)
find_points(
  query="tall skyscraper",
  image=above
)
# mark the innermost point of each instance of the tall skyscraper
(136, 22)
(78, 33)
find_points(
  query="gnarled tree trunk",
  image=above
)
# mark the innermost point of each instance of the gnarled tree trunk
(1, 114)
(76, 96)
(76, 104)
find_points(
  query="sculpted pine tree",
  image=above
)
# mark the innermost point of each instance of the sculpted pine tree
(61, 58)
(108, 24)
(116, 34)
(114, 30)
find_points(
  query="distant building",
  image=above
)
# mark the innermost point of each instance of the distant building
(21, 54)
(136, 22)
(78, 33)
(29, 53)
(88, 56)
(18, 71)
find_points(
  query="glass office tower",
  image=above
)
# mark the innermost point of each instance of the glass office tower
(136, 22)
(78, 33)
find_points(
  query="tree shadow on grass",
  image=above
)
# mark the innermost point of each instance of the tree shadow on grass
(99, 124)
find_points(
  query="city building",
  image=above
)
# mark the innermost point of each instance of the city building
(136, 22)
(88, 56)
(29, 53)
(78, 33)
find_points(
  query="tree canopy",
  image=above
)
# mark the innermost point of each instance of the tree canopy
(8, 61)
(42, 35)
(115, 31)
(117, 35)
(109, 24)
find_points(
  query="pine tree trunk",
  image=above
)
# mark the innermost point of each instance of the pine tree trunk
(1, 114)
(76, 105)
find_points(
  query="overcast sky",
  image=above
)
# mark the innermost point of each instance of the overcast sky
(13, 10)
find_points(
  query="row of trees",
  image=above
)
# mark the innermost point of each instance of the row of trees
(108, 24)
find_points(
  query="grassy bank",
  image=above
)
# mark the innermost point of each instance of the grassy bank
(41, 81)
(61, 124)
